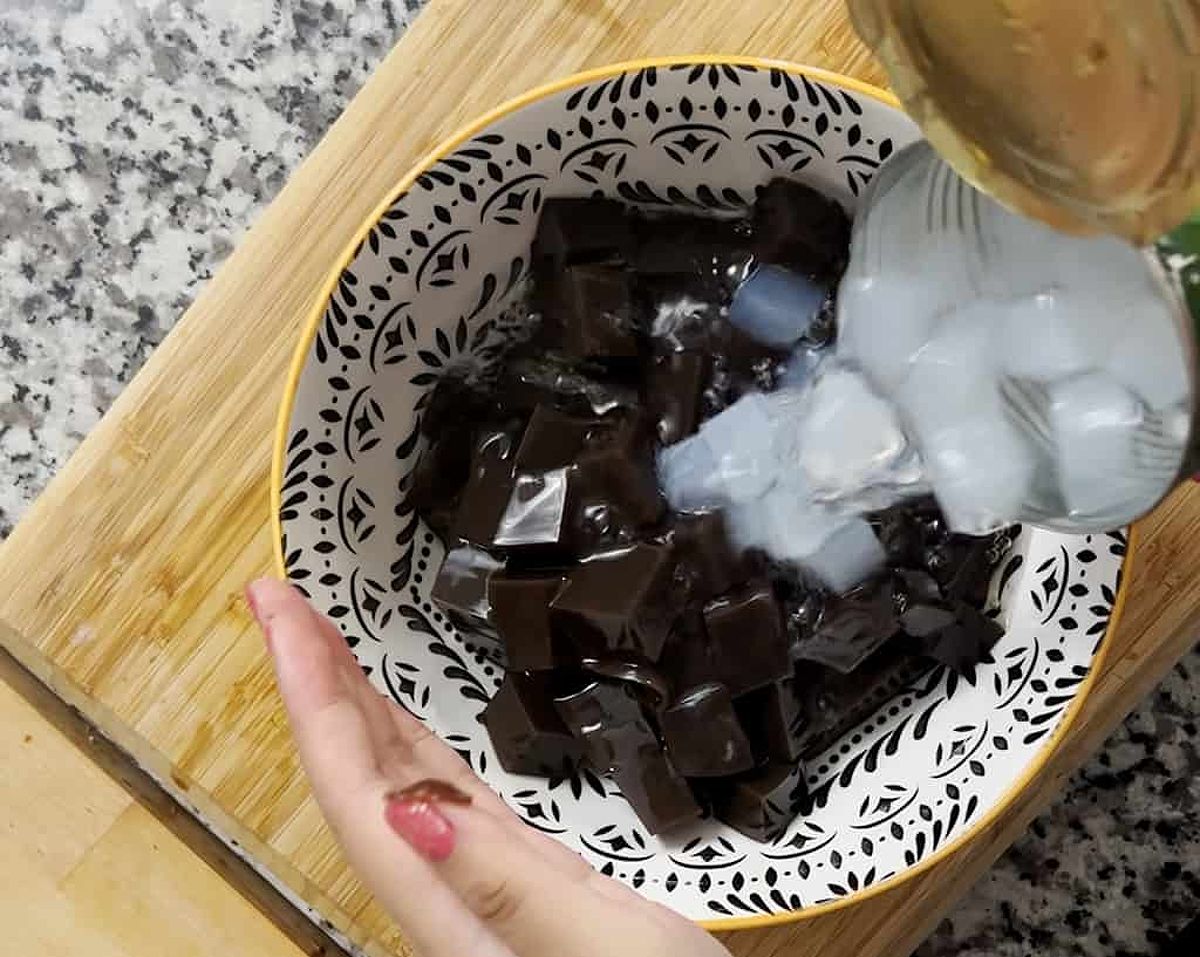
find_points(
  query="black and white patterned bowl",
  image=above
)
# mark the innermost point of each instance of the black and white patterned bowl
(426, 287)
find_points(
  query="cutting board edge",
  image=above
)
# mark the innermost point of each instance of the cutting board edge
(131, 756)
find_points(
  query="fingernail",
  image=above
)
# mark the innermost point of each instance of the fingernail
(415, 814)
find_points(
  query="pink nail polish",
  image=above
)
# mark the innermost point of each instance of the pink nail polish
(415, 815)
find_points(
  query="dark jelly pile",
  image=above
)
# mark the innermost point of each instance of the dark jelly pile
(638, 639)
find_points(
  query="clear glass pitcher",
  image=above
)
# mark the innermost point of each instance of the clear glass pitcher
(1045, 377)
(1085, 115)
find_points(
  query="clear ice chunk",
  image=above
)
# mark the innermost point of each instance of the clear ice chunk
(800, 367)
(1049, 336)
(1149, 357)
(795, 526)
(775, 306)
(746, 524)
(740, 441)
(884, 320)
(1094, 422)
(848, 557)
(981, 470)
(953, 376)
(848, 438)
(687, 472)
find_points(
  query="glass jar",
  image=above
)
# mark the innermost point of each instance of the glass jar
(1044, 377)
(1084, 114)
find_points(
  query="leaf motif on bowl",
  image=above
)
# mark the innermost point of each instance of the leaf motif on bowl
(708, 854)
(613, 842)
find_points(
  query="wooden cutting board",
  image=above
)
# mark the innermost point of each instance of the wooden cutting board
(121, 589)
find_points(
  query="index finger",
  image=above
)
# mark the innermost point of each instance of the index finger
(336, 748)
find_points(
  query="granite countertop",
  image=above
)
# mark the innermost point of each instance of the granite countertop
(139, 138)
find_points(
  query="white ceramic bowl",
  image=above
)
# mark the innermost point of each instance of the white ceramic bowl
(427, 284)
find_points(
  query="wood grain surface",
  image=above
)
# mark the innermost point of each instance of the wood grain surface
(88, 871)
(121, 589)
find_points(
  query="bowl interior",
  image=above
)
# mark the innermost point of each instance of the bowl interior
(431, 287)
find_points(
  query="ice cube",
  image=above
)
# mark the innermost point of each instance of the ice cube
(800, 366)
(746, 524)
(1094, 421)
(1177, 423)
(795, 526)
(981, 469)
(883, 320)
(848, 438)
(687, 472)
(1025, 257)
(740, 441)
(1148, 354)
(953, 376)
(1050, 336)
(847, 558)
(775, 306)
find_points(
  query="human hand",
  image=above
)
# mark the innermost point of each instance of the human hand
(456, 869)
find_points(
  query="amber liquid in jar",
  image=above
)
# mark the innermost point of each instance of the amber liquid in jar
(1082, 113)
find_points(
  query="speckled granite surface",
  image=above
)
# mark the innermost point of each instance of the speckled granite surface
(139, 138)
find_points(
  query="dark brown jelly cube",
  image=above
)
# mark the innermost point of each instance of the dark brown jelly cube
(680, 312)
(580, 486)
(577, 388)
(443, 469)
(617, 467)
(535, 519)
(703, 735)
(552, 439)
(461, 585)
(628, 599)
(599, 705)
(703, 548)
(488, 487)
(674, 387)
(899, 534)
(965, 643)
(968, 572)
(649, 781)
(710, 250)
(590, 309)
(773, 720)
(520, 611)
(746, 630)
(689, 657)
(618, 497)
(749, 364)
(797, 227)
(646, 682)
(832, 704)
(607, 719)
(763, 803)
(926, 621)
(576, 230)
(526, 731)
(457, 401)
(596, 506)
(853, 627)
(918, 587)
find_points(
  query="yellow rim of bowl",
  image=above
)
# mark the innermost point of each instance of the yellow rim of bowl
(313, 321)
